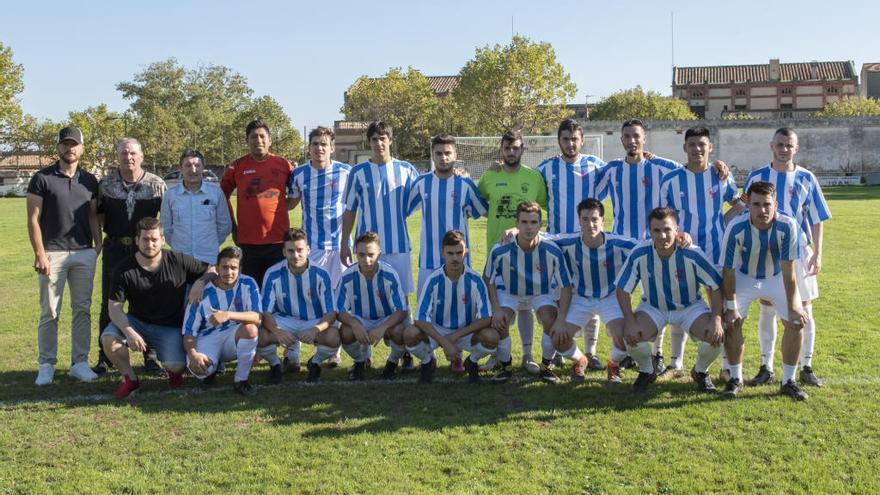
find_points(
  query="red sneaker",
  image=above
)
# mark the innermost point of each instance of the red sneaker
(126, 387)
(457, 365)
(175, 380)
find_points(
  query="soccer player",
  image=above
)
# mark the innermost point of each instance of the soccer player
(371, 306)
(297, 307)
(447, 201)
(453, 313)
(798, 195)
(759, 252)
(223, 326)
(594, 258)
(671, 277)
(527, 272)
(698, 193)
(504, 190)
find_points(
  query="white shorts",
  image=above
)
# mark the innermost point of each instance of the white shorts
(218, 346)
(371, 324)
(808, 286)
(294, 326)
(524, 302)
(402, 264)
(463, 344)
(683, 318)
(769, 289)
(583, 309)
(328, 259)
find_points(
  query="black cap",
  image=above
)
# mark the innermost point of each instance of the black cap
(70, 133)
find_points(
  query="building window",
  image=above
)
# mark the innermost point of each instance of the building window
(740, 92)
(786, 91)
(696, 93)
(831, 90)
(739, 107)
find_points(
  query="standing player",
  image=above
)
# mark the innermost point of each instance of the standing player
(447, 201)
(223, 325)
(594, 259)
(799, 195)
(671, 277)
(504, 190)
(371, 306)
(759, 253)
(698, 193)
(453, 312)
(527, 272)
(297, 307)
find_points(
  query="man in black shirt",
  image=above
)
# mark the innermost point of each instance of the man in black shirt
(153, 281)
(65, 236)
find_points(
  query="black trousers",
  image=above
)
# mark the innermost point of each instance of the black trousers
(113, 253)
(257, 258)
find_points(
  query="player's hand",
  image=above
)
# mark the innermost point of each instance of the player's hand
(461, 172)
(345, 254)
(557, 334)
(632, 334)
(509, 235)
(42, 265)
(199, 363)
(195, 292)
(814, 264)
(798, 317)
(495, 166)
(360, 334)
(683, 239)
(308, 335)
(450, 350)
(715, 332)
(134, 340)
(499, 320)
(284, 338)
(732, 317)
(376, 335)
(647, 155)
(218, 317)
(721, 167)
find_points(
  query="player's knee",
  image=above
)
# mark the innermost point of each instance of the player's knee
(489, 338)
(248, 331)
(110, 342)
(330, 337)
(412, 335)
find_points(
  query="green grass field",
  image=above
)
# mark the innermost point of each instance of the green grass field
(522, 437)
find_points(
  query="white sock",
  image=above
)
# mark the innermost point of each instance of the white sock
(788, 371)
(809, 338)
(547, 348)
(591, 335)
(641, 354)
(617, 354)
(736, 371)
(657, 348)
(677, 341)
(245, 350)
(293, 351)
(366, 351)
(503, 352)
(706, 353)
(422, 351)
(573, 352)
(526, 325)
(396, 353)
(270, 354)
(478, 352)
(323, 352)
(725, 364)
(355, 351)
(767, 334)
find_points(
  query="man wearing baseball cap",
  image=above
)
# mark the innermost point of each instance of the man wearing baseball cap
(66, 239)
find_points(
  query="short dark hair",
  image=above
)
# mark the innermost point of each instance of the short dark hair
(511, 136)
(191, 153)
(148, 223)
(367, 237)
(632, 123)
(528, 207)
(662, 213)
(381, 128)
(453, 238)
(762, 188)
(256, 124)
(321, 131)
(442, 139)
(569, 125)
(785, 131)
(229, 252)
(700, 131)
(295, 234)
(591, 204)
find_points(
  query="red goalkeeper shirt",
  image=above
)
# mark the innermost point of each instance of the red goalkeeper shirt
(261, 216)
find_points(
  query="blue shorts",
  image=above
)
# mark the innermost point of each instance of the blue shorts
(166, 341)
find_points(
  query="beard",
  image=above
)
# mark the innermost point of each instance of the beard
(147, 256)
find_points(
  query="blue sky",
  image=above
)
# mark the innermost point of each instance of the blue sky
(305, 54)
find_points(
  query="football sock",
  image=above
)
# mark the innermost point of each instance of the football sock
(323, 352)
(736, 371)
(547, 349)
(526, 325)
(788, 371)
(809, 338)
(355, 351)
(706, 354)
(657, 348)
(478, 352)
(504, 350)
(397, 351)
(677, 341)
(573, 352)
(422, 351)
(245, 349)
(767, 334)
(591, 335)
(617, 354)
(270, 354)
(641, 354)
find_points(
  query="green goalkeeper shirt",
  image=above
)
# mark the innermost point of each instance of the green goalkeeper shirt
(504, 191)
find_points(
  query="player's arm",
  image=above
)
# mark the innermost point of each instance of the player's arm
(271, 326)
(446, 343)
(716, 304)
(95, 226)
(474, 327)
(814, 264)
(559, 324)
(796, 314)
(120, 319)
(35, 232)
(221, 317)
(631, 331)
(736, 207)
(728, 292)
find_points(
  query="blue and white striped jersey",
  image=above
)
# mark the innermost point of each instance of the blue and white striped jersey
(798, 193)
(451, 304)
(371, 299)
(567, 185)
(635, 191)
(306, 296)
(699, 200)
(377, 193)
(593, 271)
(446, 205)
(672, 283)
(320, 192)
(759, 253)
(522, 273)
(243, 296)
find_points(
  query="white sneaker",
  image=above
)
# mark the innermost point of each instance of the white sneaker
(82, 372)
(530, 365)
(45, 374)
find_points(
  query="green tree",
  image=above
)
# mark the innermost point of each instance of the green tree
(29, 134)
(637, 103)
(404, 100)
(520, 84)
(10, 86)
(101, 130)
(286, 141)
(853, 106)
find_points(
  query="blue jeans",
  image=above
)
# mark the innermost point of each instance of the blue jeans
(167, 341)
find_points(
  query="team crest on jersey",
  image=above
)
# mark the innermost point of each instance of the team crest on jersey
(466, 299)
(381, 295)
(525, 188)
(646, 181)
(792, 191)
(311, 294)
(236, 303)
(540, 268)
(714, 191)
(680, 275)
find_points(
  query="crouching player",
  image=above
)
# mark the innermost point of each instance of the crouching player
(758, 252)
(371, 307)
(453, 313)
(223, 325)
(532, 270)
(297, 306)
(671, 277)
(594, 259)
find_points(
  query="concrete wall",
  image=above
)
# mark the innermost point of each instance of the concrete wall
(827, 146)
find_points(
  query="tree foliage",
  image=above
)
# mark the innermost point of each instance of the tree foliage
(853, 106)
(101, 130)
(516, 85)
(404, 100)
(637, 103)
(10, 86)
